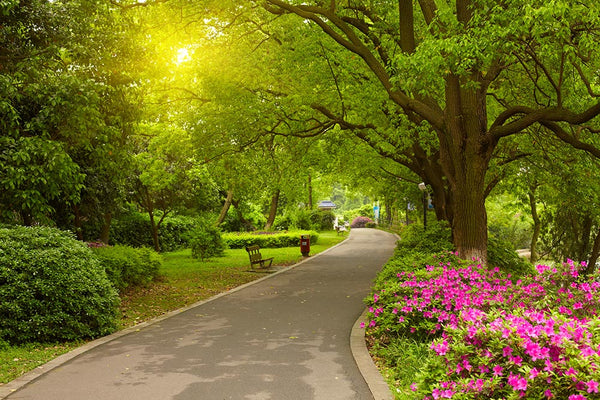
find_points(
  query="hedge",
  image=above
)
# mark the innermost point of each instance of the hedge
(239, 240)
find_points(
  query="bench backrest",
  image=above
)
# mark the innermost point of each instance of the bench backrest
(254, 253)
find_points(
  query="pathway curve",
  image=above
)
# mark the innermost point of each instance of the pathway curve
(285, 337)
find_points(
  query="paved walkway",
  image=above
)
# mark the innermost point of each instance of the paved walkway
(285, 337)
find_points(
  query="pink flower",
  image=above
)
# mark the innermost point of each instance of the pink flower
(498, 370)
(592, 386)
(413, 387)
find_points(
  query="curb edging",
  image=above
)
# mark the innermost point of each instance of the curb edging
(379, 388)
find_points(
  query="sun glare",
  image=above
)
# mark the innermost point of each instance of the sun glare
(183, 55)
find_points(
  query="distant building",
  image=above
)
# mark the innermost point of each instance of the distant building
(326, 205)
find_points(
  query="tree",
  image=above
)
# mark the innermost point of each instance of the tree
(163, 167)
(453, 81)
(65, 110)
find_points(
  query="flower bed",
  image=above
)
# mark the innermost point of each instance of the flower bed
(538, 337)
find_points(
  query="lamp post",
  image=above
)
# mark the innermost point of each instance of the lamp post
(423, 188)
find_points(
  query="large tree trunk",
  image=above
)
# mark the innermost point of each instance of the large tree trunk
(465, 157)
(225, 208)
(537, 224)
(272, 210)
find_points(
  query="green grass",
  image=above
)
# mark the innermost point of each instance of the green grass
(183, 281)
(15, 361)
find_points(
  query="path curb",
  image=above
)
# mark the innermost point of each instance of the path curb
(379, 388)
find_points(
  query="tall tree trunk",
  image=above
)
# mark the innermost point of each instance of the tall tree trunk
(537, 224)
(225, 208)
(105, 232)
(310, 193)
(272, 210)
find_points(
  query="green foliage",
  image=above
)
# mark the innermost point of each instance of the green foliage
(501, 254)
(206, 241)
(317, 220)
(508, 221)
(236, 240)
(365, 211)
(127, 266)
(435, 239)
(134, 230)
(52, 288)
(36, 171)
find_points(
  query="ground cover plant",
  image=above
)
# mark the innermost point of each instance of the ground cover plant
(183, 280)
(479, 335)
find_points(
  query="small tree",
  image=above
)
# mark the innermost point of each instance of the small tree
(206, 242)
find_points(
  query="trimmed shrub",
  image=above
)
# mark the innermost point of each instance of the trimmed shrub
(52, 288)
(126, 266)
(239, 240)
(206, 242)
(361, 222)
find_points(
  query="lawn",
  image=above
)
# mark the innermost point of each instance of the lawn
(183, 281)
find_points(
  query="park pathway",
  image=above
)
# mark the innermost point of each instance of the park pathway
(285, 337)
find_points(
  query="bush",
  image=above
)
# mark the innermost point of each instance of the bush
(317, 220)
(134, 230)
(282, 222)
(501, 254)
(206, 242)
(52, 288)
(361, 222)
(238, 240)
(435, 239)
(370, 225)
(126, 266)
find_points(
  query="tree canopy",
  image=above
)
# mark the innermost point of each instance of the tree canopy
(175, 103)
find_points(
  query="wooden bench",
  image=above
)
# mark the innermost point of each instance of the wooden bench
(257, 258)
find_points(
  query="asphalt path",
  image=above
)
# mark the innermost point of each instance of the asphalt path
(285, 337)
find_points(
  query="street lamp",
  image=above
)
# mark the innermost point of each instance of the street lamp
(423, 188)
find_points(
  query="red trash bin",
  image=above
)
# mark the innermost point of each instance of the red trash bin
(305, 245)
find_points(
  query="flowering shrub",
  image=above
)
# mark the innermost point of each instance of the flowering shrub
(361, 222)
(491, 338)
